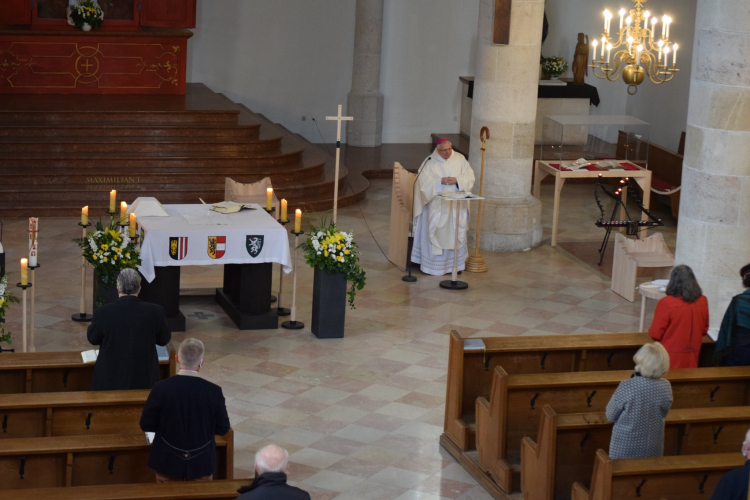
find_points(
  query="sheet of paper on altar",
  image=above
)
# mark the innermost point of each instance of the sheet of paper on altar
(90, 356)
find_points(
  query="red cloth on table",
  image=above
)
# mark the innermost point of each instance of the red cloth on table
(680, 327)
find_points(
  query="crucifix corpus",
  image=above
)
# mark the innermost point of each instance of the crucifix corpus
(338, 119)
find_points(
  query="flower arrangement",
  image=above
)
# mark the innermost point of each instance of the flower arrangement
(88, 13)
(554, 66)
(332, 250)
(6, 299)
(109, 251)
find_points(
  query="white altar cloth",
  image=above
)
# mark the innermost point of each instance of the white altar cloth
(246, 237)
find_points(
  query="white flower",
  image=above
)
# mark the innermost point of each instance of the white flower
(318, 253)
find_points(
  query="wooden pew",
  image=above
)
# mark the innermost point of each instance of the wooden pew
(516, 402)
(204, 490)
(65, 371)
(686, 477)
(567, 443)
(71, 413)
(52, 462)
(470, 372)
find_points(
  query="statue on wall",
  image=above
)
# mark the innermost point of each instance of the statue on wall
(581, 59)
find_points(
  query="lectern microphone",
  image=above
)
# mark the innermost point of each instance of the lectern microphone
(410, 245)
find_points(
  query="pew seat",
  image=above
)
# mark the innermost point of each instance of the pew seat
(566, 445)
(62, 371)
(685, 477)
(204, 490)
(53, 462)
(48, 414)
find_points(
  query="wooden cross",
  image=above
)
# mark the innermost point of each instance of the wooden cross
(339, 119)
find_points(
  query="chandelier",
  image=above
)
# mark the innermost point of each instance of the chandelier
(640, 54)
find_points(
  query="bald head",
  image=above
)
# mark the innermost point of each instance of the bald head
(271, 458)
(746, 445)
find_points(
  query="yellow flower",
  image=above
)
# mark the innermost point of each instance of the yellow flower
(341, 259)
(2, 301)
(346, 252)
(127, 256)
(104, 259)
(105, 247)
(325, 253)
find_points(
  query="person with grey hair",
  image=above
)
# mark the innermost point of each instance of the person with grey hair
(681, 319)
(271, 465)
(185, 412)
(639, 405)
(733, 485)
(127, 331)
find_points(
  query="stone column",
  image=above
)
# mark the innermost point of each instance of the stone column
(505, 95)
(713, 232)
(365, 102)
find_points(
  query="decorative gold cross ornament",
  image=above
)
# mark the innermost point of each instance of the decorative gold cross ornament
(641, 54)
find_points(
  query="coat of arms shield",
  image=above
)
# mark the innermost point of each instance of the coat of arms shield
(254, 245)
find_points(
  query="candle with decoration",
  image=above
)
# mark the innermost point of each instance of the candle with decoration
(33, 240)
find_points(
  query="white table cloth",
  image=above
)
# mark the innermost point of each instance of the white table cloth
(193, 235)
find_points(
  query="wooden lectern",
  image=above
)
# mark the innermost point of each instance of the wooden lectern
(402, 196)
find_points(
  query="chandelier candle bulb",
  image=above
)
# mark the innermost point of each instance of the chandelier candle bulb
(628, 21)
(112, 200)
(123, 213)
(638, 60)
(674, 54)
(593, 44)
(607, 18)
(622, 15)
(298, 221)
(24, 272)
(269, 198)
(669, 21)
(663, 25)
(609, 51)
(131, 227)
(283, 210)
(85, 215)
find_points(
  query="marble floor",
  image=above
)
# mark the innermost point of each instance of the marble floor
(360, 416)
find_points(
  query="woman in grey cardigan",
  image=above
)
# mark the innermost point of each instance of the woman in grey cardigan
(639, 405)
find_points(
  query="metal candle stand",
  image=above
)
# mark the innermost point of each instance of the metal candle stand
(293, 324)
(32, 345)
(25, 313)
(269, 212)
(282, 311)
(82, 316)
(475, 263)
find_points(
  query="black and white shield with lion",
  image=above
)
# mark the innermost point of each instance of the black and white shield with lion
(254, 245)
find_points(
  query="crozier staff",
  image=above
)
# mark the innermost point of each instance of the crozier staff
(435, 226)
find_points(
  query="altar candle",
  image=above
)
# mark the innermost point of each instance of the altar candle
(85, 215)
(674, 56)
(283, 211)
(298, 221)
(112, 200)
(622, 14)
(123, 213)
(269, 198)
(24, 271)
(33, 240)
(593, 44)
(131, 227)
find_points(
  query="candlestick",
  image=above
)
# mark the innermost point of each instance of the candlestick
(269, 198)
(33, 240)
(24, 286)
(32, 314)
(131, 227)
(654, 20)
(298, 221)
(622, 14)
(24, 272)
(669, 21)
(628, 21)
(112, 200)
(293, 324)
(630, 45)
(123, 213)
(82, 315)
(85, 215)
(638, 60)
(593, 44)
(284, 217)
(609, 51)
(663, 25)
(661, 46)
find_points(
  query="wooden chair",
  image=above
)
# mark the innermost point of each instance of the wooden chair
(203, 490)
(630, 254)
(566, 445)
(254, 192)
(402, 196)
(687, 477)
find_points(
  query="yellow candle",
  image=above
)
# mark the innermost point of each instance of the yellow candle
(123, 212)
(298, 221)
(85, 215)
(283, 211)
(24, 271)
(112, 200)
(131, 228)
(269, 198)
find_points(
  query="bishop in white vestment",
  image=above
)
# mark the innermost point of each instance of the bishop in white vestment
(435, 225)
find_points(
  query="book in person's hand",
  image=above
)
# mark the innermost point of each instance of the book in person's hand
(90, 356)
(162, 353)
(230, 207)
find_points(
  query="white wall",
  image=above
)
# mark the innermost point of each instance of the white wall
(289, 58)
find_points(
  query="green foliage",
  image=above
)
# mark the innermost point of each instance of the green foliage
(87, 12)
(554, 66)
(332, 250)
(6, 299)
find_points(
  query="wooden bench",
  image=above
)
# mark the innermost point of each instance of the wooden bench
(71, 413)
(65, 371)
(470, 372)
(51, 462)
(686, 477)
(516, 402)
(204, 490)
(567, 443)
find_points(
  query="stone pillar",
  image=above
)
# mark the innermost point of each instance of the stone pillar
(505, 98)
(365, 102)
(713, 232)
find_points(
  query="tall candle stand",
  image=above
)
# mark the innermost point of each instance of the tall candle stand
(293, 324)
(269, 211)
(475, 263)
(282, 311)
(32, 344)
(25, 312)
(83, 316)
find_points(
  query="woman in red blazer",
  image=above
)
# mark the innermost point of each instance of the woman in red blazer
(681, 319)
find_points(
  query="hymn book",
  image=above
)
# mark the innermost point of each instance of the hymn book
(90, 356)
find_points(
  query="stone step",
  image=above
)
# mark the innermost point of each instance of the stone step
(127, 129)
(75, 117)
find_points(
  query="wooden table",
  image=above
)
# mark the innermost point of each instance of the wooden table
(544, 168)
(648, 292)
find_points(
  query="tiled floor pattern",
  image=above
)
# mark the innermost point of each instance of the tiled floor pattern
(361, 416)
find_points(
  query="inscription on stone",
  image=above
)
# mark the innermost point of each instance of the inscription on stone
(113, 182)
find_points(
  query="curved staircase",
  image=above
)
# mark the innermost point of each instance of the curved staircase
(59, 153)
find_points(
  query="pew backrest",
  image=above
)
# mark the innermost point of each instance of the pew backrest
(202, 490)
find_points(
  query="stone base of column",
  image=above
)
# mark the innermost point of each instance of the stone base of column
(508, 225)
(366, 130)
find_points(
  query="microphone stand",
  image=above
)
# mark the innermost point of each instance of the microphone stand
(410, 244)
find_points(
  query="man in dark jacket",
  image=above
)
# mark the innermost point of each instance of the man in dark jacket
(271, 465)
(128, 331)
(185, 412)
(733, 486)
